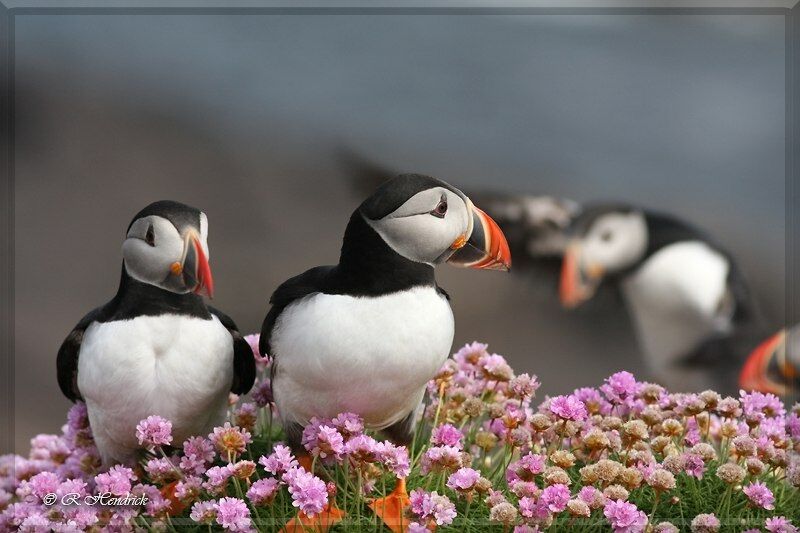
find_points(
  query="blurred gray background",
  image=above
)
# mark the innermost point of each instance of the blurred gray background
(246, 117)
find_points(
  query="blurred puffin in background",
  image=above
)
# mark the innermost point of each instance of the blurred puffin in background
(693, 314)
(156, 348)
(367, 334)
(774, 366)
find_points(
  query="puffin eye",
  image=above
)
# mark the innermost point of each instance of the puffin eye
(607, 235)
(150, 236)
(440, 210)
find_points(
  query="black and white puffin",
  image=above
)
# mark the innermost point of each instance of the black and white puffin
(156, 348)
(692, 311)
(367, 334)
(774, 366)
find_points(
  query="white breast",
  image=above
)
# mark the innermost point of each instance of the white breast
(675, 297)
(368, 355)
(174, 366)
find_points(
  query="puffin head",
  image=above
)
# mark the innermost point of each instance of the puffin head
(604, 241)
(534, 225)
(429, 221)
(167, 246)
(774, 365)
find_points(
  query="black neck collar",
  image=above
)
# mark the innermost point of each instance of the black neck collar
(135, 298)
(369, 267)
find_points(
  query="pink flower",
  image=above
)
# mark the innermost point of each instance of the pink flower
(309, 493)
(439, 458)
(705, 523)
(230, 440)
(760, 495)
(394, 458)
(495, 367)
(779, 524)
(447, 435)
(154, 431)
(591, 496)
(262, 393)
(757, 406)
(188, 488)
(427, 505)
(593, 400)
(246, 416)
(533, 509)
(694, 465)
(233, 514)
(362, 449)
(524, 386)
(198, 453)
(156, 505)
(463, 479)
(348, 424)
(279, 461)
(218, 477)
(522, 489)
(625, 517)
(793, 426)
(117, 481)
(42, 484)
(204, 512)
(263, 491)
(469, 355)
(70, 486)
(620, 387)
(322, 440)
(526, 467)
(160, 469)
(556, 497)
(568, 408)
(49, 448)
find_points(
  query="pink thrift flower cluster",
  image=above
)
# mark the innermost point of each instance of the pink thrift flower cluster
(626, 456)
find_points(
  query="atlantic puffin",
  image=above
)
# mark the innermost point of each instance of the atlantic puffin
(367, 334)
(692, 311)
(535, 225)
(774, 365)
(156, 348)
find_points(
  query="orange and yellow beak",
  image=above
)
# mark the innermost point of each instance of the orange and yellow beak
(577, 283)
(485, 248)
(194, 269)
(768, 369)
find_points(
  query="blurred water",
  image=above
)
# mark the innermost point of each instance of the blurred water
(243, 116)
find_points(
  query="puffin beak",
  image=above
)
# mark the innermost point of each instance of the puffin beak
(769, 358)
(195, 269)
(577, 285)
(486, 247)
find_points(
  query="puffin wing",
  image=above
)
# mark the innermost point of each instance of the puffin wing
(68, 354)
(308, 282)
(244, 364)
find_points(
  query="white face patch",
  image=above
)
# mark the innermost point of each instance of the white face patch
(204, 234)
(615, 241)
(152, 245)
(419, 230)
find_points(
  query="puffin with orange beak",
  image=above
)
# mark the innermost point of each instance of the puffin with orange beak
(774, 366)
(367, 334)
(156, 348)
(694, 316)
